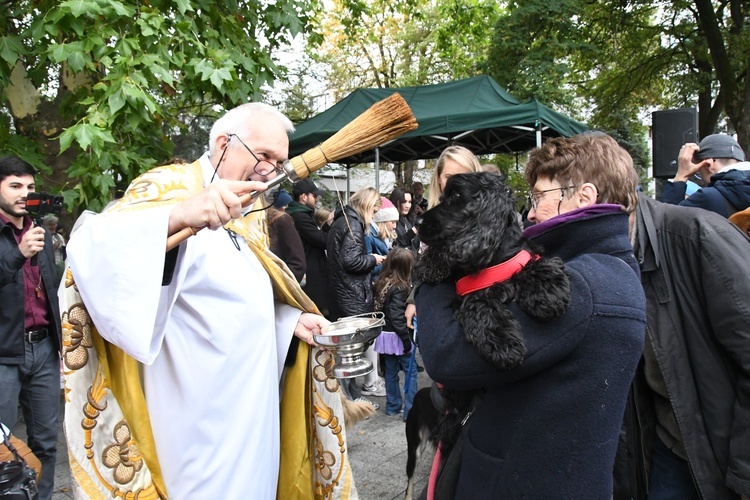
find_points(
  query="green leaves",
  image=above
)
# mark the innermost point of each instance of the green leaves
(81, 7)
(10, 49)
(86, 135)
(120, 78)
(72, 53)
(184, 6)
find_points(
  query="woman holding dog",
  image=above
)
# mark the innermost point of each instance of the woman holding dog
(550, 340)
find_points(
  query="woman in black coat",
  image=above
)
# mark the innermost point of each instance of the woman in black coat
(349, 268)
(349, 264)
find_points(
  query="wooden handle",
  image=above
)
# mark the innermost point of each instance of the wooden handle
(187, 232)
(383, 121)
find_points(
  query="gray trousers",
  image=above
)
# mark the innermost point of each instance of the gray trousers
(36, 386)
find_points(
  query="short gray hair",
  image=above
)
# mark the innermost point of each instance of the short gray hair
(236, 120)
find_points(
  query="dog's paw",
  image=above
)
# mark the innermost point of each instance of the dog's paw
(543, 289)
(504, 352)
(491, 328)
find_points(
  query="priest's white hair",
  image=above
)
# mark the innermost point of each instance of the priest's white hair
(237, 121)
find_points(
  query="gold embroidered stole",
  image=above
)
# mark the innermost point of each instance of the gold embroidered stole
(110, 442)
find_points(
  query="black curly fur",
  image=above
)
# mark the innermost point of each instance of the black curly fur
(476, 227)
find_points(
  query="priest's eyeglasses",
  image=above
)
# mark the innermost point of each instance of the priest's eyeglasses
(536, 196)
(262, 167)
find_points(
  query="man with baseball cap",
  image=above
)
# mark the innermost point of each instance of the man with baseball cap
(720, 162)
(306, 187)
(302, 209)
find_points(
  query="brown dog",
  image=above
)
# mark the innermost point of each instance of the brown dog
(6, 455)
(742, 220)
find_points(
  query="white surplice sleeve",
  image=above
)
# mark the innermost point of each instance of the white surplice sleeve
(286, 320)
(117, 260)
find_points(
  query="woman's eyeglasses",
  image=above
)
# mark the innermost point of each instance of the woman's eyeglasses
(536, 196)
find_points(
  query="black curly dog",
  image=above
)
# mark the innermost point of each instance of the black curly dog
(475, 227)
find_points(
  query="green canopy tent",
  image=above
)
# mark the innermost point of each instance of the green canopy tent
(475, 112)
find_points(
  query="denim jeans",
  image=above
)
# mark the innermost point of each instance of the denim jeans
(670, 477)
(36, 385)
(394, 364)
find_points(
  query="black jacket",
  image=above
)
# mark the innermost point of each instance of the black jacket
(12, 315)
(694, 272)
(394, 306)
(349, 265)
(729, 192)
(405, 236)
(314, 242)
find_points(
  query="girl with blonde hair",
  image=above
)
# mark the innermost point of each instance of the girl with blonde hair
(382, 232)
(452, 161)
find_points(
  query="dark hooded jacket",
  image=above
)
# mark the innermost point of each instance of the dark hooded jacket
(694, 272)
(349, 265)
(729, 192)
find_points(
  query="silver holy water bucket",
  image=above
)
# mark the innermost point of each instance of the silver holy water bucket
(348, 338)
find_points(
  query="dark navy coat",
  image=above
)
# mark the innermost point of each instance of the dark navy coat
(549, 427)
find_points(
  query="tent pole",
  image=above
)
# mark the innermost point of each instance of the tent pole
(377, 170)
(538, 134)
(348, 184)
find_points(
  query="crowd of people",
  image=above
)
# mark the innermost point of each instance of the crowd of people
(639, 387)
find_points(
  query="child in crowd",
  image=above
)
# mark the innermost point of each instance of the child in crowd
(323, 217)
(382, 232)
(391, 290)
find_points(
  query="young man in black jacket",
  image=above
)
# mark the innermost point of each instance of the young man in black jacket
(29, 321)
(720, 161)
(305, 195)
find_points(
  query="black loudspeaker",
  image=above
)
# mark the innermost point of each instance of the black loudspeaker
(671, 129)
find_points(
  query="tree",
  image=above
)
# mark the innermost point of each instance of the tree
(379, 43)
(387, 43)
(630, 56)
(91, 91)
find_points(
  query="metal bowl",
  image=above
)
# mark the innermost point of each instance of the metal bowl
(348, 338)
(352, 330)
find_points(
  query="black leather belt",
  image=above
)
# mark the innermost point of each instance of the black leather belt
(34, 336)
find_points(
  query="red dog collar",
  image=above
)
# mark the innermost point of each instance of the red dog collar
(495, 274)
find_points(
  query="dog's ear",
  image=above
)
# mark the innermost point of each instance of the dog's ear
(543, 289)
(491, 327)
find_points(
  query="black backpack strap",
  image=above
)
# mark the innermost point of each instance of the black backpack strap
(6, 440)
